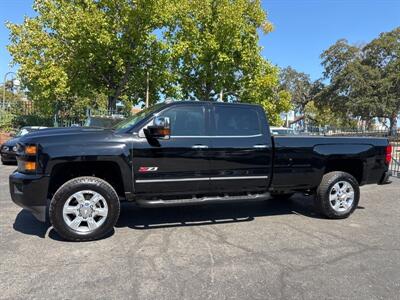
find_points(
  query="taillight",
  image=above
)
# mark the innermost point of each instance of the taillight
(388, 158)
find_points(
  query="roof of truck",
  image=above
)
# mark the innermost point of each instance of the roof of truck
(183, 102)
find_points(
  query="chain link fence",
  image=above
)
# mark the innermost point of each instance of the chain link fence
(16, 114)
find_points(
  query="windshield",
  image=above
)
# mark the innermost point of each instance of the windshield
(101, 122)
(22, 132)
(131, 121)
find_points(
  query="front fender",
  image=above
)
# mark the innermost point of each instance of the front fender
(55, 154)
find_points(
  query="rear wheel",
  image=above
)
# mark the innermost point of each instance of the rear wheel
(338, 195)
(84, 208)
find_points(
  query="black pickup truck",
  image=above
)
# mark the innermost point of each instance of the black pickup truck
(185, 153)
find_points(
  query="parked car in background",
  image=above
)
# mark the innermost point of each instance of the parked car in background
(282, 131)
(8, 149)
(102, 121)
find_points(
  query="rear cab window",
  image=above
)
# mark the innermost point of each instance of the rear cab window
(237, 121)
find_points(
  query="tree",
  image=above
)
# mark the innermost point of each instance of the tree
(75, 49)
(299, 85)
(364, 80)
(383, 56)
(216, 56)
(263, 88)
(214, 46)
(349, 91)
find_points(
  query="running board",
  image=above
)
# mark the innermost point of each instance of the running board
(202, 200)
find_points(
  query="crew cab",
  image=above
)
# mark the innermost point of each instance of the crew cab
(185, 153)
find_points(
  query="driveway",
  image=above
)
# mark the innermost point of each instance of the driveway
(240, 251)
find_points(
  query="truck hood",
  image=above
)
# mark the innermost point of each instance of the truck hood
(68, 135)
(12, 142)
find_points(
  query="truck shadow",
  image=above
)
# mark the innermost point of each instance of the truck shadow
(26, 223)
(152, 218)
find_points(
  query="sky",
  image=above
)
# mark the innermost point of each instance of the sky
(303, 28)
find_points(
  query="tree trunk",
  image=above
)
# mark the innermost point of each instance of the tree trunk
(368, 123)
(112, 103)
(112, 100)
(393, 124)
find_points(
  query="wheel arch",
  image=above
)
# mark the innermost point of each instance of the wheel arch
(109, 171)
(353, 166)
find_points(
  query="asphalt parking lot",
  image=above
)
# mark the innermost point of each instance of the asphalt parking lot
(243, 251)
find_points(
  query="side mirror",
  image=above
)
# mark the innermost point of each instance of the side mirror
(161, 128)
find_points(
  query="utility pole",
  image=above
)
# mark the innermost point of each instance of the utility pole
(4, 89)
(147, 88)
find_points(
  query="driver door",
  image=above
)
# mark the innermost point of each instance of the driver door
(178, 165)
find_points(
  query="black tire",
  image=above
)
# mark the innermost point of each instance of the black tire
(322, 202)
(282, 197)
(79, 184)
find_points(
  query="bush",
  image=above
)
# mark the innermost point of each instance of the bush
(7, 120)
(33, 120)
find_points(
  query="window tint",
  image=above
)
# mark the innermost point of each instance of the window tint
(186, 120)
(233, 121)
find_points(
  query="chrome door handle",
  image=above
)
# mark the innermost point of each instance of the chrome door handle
(260, 146)
(199, 146)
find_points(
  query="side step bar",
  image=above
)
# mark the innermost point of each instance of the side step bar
(202, 200)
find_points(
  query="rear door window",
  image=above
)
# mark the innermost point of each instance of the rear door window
(236, 121)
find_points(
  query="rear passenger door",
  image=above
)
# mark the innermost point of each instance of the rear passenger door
(241, 152)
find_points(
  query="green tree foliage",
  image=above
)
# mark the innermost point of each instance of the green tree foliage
(215, 54)
(73, 51)
(365, 80)
(215, 45)
(264, 89)
(318, 114)
(7, 120)
(300, 87)
(308, 99)
(77, 49)
(383, 56)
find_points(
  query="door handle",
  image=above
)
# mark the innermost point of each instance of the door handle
(199, 146)
(260, 146)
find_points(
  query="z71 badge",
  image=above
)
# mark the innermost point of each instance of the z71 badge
(148, 169)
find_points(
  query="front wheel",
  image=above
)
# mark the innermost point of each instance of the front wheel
(338, 195)
(84, 208)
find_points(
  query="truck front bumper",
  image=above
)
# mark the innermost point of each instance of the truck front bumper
(30, 192)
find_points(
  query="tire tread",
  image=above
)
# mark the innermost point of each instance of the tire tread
(65, 188)
(322, 204)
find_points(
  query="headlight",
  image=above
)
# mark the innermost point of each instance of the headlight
(5, 148)
(14, 149)
(29, 166)
(31, 150)
(27, 158)
(26, 166)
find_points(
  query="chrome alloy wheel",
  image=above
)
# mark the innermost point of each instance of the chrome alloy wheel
(341, 196)
(85, 211)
